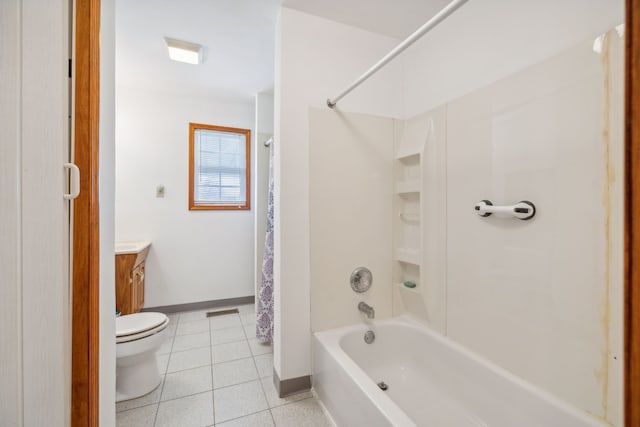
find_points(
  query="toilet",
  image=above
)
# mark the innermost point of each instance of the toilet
(138, 338)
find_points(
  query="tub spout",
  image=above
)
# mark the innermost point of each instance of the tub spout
(367, 309)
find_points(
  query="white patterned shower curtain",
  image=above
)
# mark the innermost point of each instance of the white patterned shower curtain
(264, 315)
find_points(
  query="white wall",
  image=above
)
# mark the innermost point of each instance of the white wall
(264, 131)
(264, 112)
(315, 59)
(107, 202)
(350, 204)
(195, 255)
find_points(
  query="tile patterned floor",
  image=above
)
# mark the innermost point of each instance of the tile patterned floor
(215, 373)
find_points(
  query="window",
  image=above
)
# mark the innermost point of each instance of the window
(219, 167)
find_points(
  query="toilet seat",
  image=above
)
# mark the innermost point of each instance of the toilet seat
(135, 326)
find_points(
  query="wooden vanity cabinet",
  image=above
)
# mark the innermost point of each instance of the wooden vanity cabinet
(130, 282)
(137, 276)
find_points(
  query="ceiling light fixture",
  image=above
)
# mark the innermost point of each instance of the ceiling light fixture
(182, 51)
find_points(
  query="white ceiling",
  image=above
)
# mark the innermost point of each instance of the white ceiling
(238, 38)
(393, 18)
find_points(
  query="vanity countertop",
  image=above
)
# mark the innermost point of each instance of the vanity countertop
(126, 248)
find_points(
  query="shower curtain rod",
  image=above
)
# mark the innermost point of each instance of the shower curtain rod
(429, 25)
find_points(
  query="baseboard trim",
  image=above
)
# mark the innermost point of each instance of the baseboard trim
(202, 305)
(292, 385)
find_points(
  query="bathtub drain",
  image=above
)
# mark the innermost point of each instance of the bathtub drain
(383, 386)
(369, 337)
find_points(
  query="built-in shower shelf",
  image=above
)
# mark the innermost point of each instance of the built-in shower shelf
(408, 156)
(409, 179)
(413, 302)
(407, 187)
(409, 217)
(408, 255)
(403, 289)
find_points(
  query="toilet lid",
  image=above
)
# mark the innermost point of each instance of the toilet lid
(133, 324)
(147, 333)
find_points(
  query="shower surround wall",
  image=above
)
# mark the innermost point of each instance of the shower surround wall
(351, 180)
(420, 207)
(443, 80)
(541, 298)
(314, 57)
(537, 136)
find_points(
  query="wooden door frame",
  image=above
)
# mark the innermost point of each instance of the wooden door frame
(632, 215)
(85, 393)
(86, 268)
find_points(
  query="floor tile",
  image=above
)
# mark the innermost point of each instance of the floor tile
(170, 330)
(225, 321)
(190, 316)
(224, 308)
(248, 318)
(223, 336)
(230, 351)
(261, 419)
(147, 399)
(234, 372)
(193, 327)
(189, 359)
(163, 361)
(191, 341)
(198, 348)
(247, 308)
(264, 363)
(190, 411)
(239, 400)
(250, 330)
(165, 348)
(272, 395)
(139, 417)
(258, 349)
(187, 382)
(305, 413)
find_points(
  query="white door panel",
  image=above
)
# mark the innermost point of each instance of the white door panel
(34, 244)
(10, 312)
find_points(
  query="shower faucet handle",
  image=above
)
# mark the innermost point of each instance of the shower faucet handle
(361, 279)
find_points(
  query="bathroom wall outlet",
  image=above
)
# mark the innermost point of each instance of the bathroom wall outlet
(160, 191)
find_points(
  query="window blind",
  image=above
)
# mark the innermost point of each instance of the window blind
(220, 168)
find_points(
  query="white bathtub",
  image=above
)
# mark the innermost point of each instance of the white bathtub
(433, 382)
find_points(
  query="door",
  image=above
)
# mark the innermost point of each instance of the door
(35, 359)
